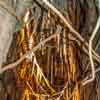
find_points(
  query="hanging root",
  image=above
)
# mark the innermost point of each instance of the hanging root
(90, 53)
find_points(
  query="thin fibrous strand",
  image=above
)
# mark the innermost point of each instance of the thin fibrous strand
(14, 64)
(90, 52)
(9, 10)
(83, 46)
(95, 56)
